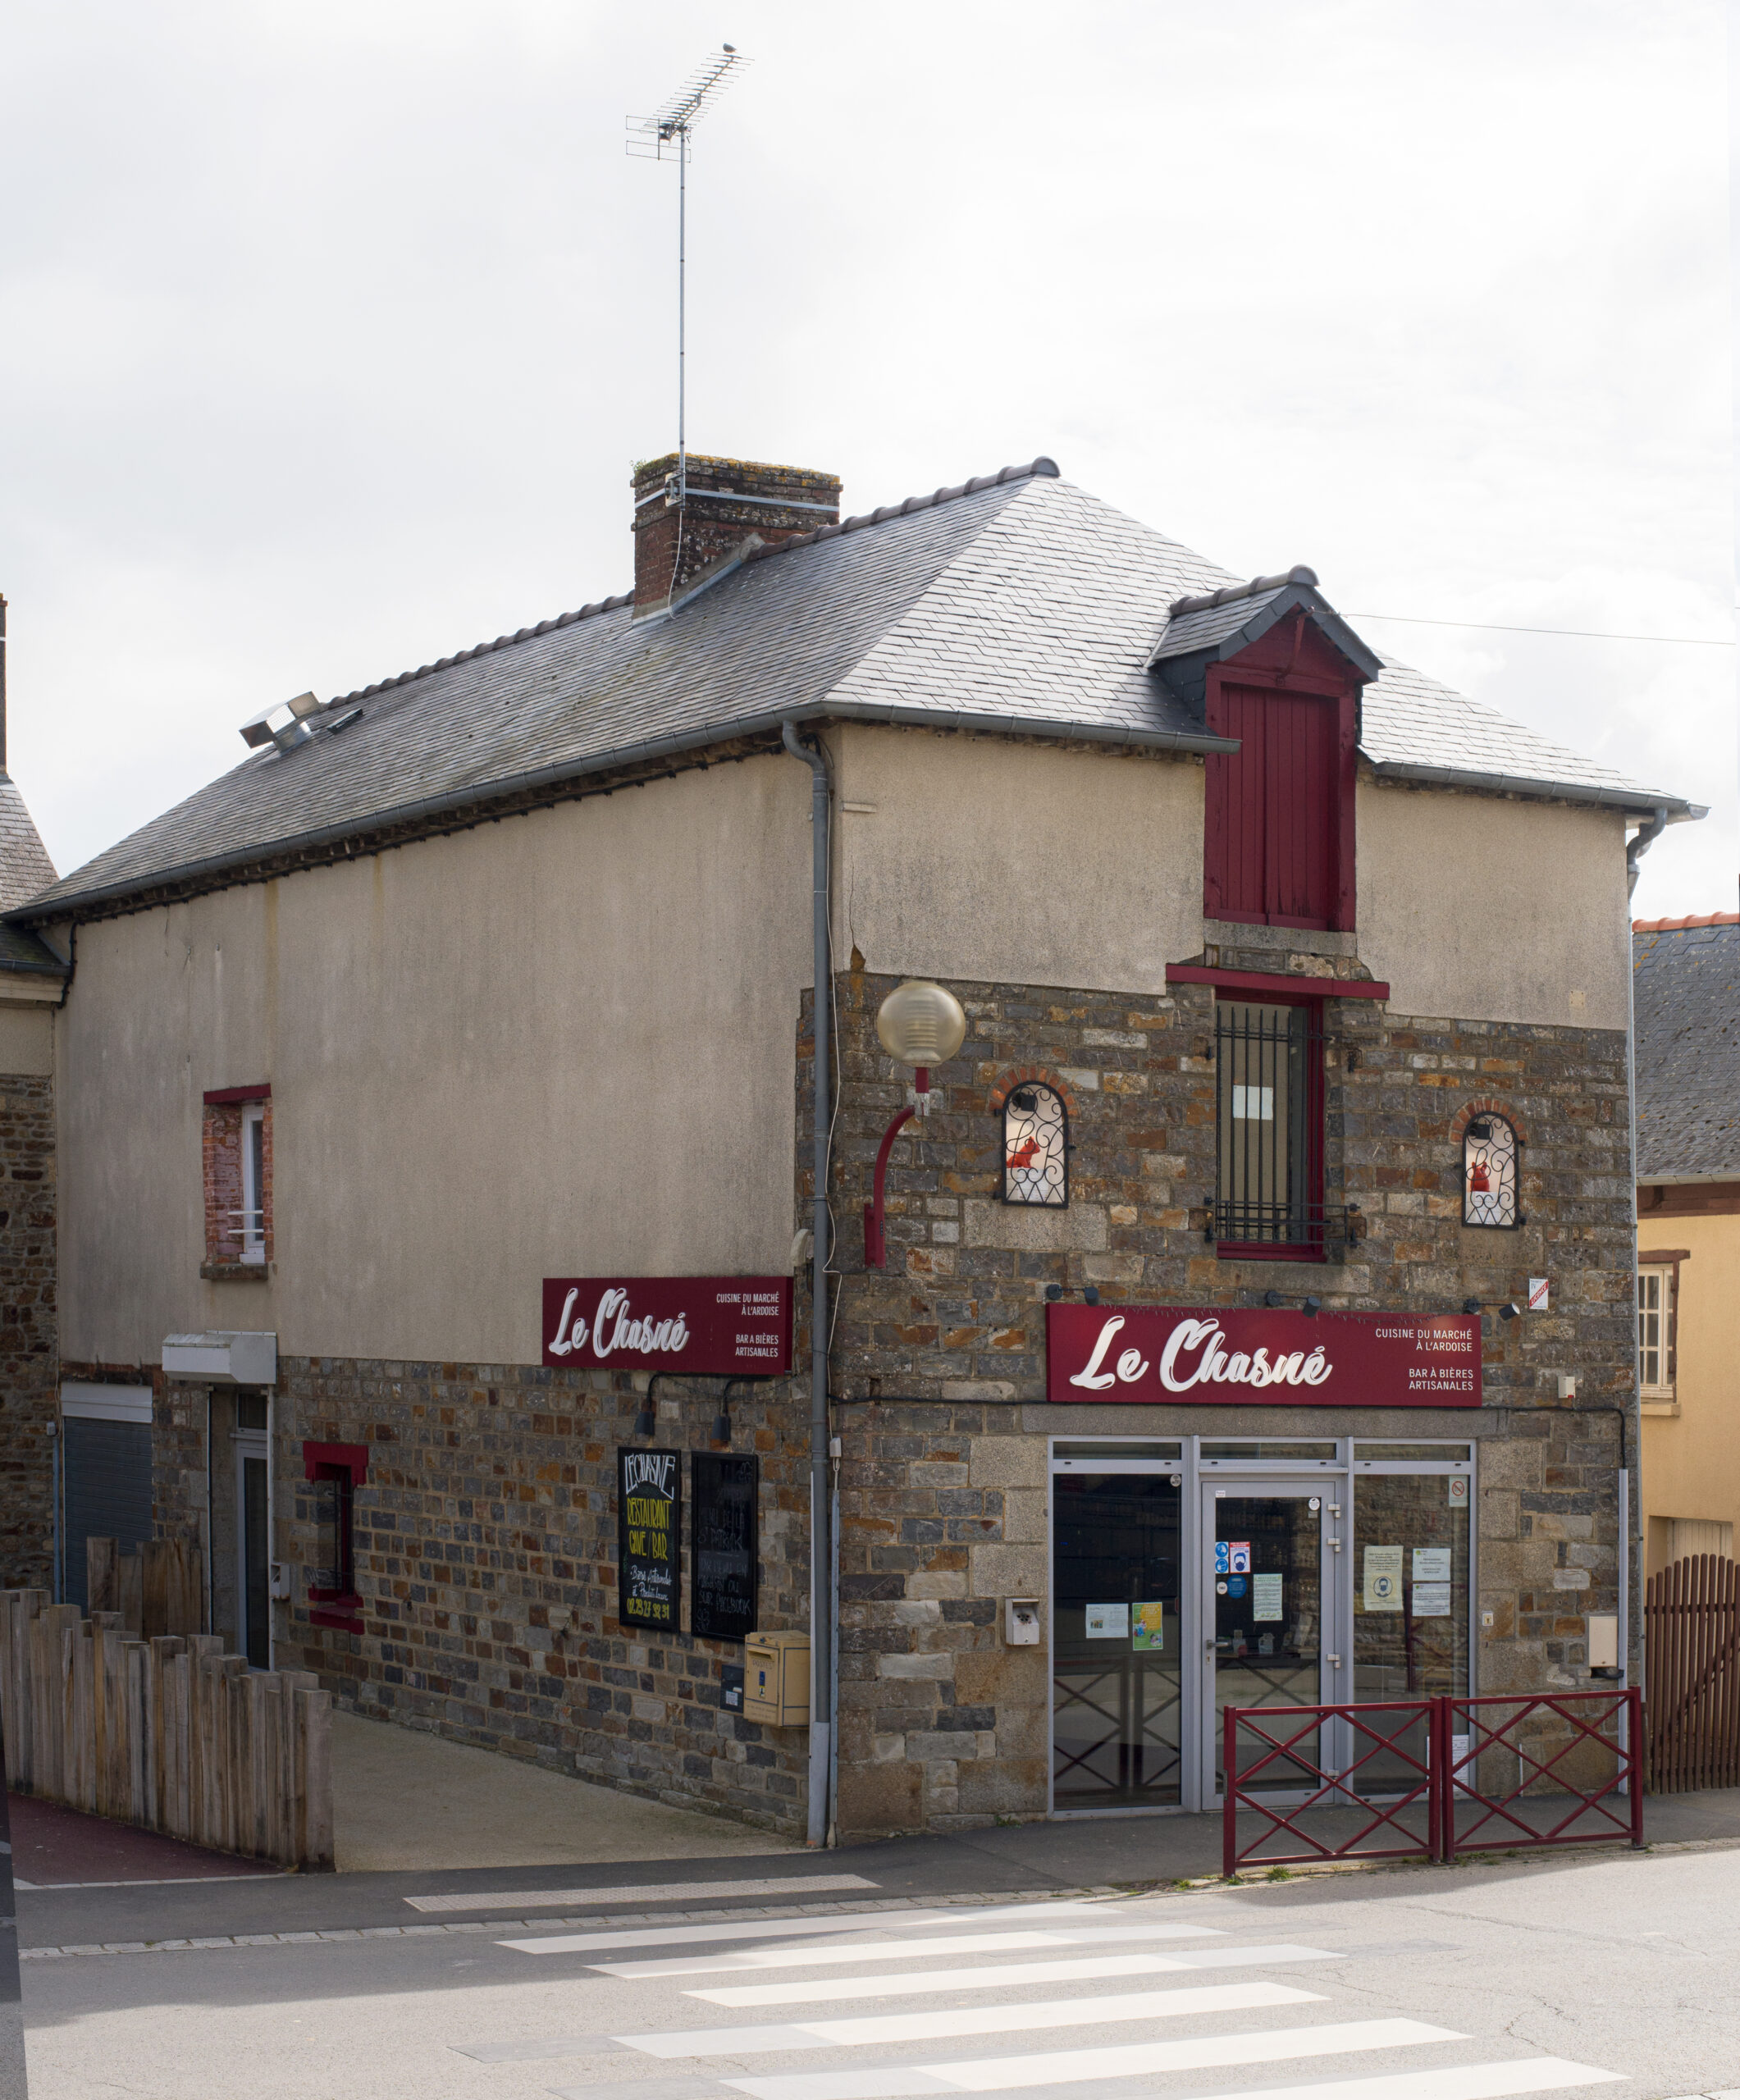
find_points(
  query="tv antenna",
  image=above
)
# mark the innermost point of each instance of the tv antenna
(666, 137)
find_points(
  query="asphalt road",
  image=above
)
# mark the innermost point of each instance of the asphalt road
(1462, 1984)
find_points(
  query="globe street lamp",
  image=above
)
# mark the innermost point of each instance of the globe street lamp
(921, 1024)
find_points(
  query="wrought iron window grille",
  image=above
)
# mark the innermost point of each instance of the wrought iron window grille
(1269, 1114)
(1036, 1147)
(1490, 1169)
(336, 1577)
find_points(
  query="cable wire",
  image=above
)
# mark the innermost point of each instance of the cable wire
(1580, 633)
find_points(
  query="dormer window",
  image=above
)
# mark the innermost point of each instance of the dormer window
(1278, 838)
(1489, 1171)
(1036, 1147)
(1271, 668)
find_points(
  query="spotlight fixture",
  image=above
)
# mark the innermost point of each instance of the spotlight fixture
(1053, 1292)
(1273, 1298)
(646, 1422)
(1509, 1312)
(1472, 1305)
(721, 1426)
(1311, 1307)
(1090, 1296)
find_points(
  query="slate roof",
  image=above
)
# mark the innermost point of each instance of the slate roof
(25, 868)
(1016, 603)
(1686, 990)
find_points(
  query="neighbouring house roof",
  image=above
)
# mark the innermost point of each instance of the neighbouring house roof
(1015, 604)
(1686, 993)
(25, 869)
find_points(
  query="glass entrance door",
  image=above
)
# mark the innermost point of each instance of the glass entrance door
(253, 1551)
(1116, 1652)
(1266, 1591)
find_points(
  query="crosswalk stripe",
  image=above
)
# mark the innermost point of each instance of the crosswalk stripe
(796, 1928)
(871, 2029)
(663, 1892)
(892, 1949)
(1004, 1974)
(1072, 2066)
(1466, 2082)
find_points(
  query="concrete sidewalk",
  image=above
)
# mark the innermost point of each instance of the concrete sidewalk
(406, 1802)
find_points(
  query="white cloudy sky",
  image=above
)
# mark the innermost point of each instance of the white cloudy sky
(330, 328)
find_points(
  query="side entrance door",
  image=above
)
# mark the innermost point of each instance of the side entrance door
(1271, 1583)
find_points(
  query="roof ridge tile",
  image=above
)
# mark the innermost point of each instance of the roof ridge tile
(1041, 466)
(1685, 925)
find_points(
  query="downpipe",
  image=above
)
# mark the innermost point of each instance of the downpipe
(821, 1529)
(1645, 837)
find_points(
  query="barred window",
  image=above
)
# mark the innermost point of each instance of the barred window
(1036, 1147)
(1489, 1172)
(1268, 1064)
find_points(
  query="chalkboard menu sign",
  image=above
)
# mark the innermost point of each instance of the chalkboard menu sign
(725, 1555)
(649, 1512)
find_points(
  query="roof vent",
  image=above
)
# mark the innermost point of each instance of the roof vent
(285, 723)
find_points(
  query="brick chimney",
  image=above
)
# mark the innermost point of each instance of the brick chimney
(729, 501)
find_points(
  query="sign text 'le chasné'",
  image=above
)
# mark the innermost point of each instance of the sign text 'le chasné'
(1244, 1356)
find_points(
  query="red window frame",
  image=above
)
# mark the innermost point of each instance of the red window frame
(345, 1466)
(1315, 1117)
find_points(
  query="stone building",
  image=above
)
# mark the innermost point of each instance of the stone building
(438, 1123)
(32, 978)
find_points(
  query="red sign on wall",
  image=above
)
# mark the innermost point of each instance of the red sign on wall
(706, 1326)
(1194, 1355)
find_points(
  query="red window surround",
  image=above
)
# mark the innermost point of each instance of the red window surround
(1278, 841)
(222, 1134)
(343, 1468)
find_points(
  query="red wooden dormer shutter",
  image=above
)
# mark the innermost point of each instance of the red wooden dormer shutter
(1278, 842)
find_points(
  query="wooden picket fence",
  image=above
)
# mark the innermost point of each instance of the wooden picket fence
(169, 1733)
(1692, 1675)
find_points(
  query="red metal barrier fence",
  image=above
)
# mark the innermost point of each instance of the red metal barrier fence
(1431, 1777)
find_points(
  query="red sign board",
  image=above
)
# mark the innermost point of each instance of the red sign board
(1213, 1355)
(740, 1326)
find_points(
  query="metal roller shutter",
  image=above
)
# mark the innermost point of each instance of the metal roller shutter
(108, 1492)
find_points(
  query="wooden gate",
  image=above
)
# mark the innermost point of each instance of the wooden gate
(1692, 1675)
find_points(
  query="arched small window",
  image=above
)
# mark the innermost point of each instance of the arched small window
(1489, 1171)
(1035, 1147)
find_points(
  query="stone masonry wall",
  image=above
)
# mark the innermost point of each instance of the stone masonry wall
(30, 1367)
(486, 1547)
(940, 1359)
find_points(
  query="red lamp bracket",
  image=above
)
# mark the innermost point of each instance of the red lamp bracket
(875, 1244)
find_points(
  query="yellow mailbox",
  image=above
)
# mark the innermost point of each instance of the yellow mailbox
(776, 1679)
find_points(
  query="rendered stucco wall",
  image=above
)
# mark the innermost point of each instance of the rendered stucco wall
(561, 1044)
(1691, 1459)
(27, 1039)
(1016, 862)
(1487, 910)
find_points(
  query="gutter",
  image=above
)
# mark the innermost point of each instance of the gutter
(1723, 1176)
(1669, 808)
(62, 905)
